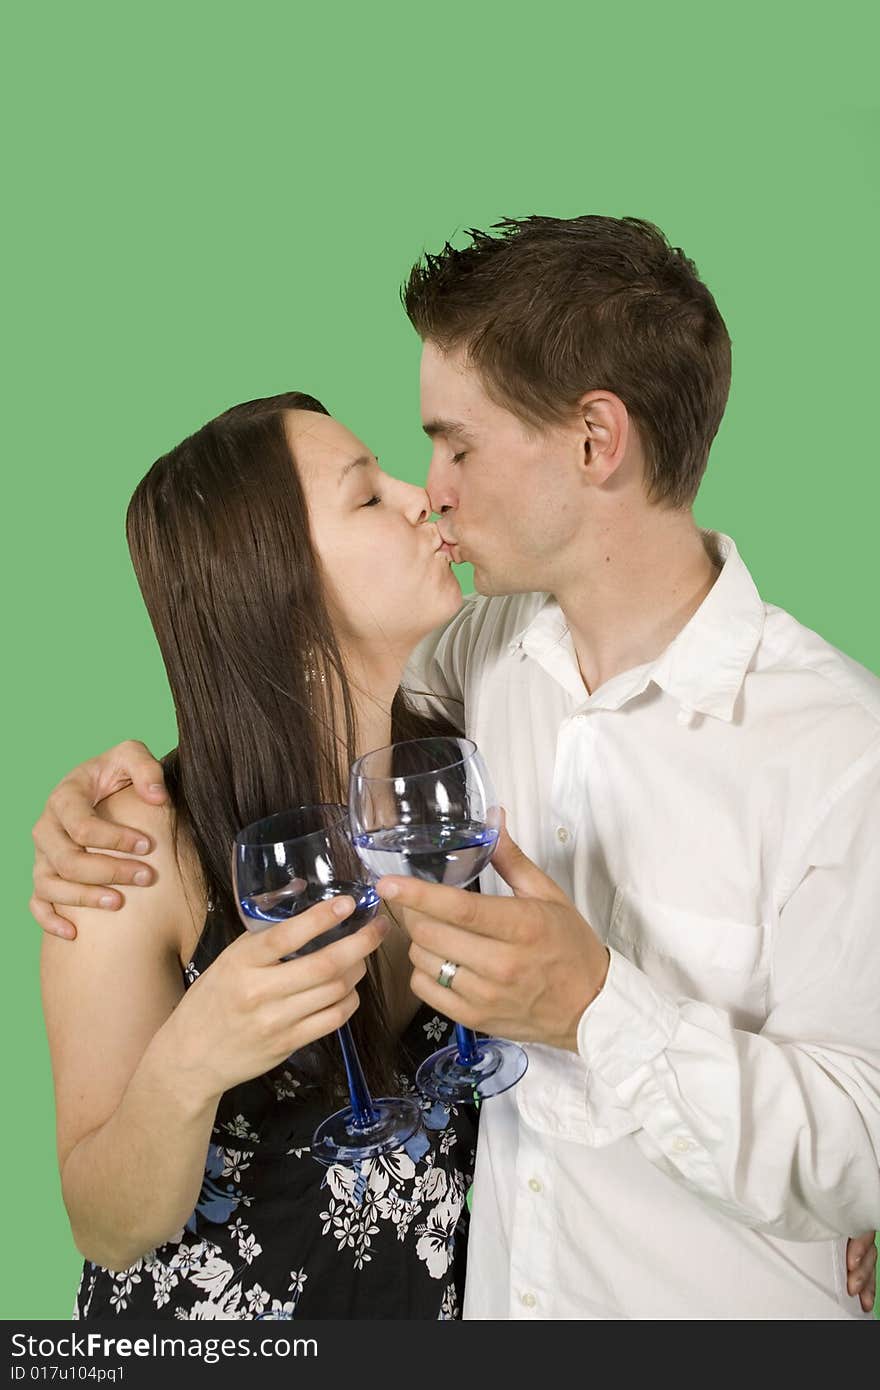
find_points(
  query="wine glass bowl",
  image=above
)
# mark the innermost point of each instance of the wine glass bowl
(289, 862)
(419, 815)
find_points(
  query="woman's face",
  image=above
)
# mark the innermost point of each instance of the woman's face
(387, 581)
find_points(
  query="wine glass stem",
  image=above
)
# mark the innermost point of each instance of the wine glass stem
(361, 1100)
(468, 1051)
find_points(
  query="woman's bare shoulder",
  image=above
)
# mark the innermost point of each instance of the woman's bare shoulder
(176, 898)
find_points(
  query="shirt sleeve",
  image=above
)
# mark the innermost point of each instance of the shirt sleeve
(434, 679)
(779, 1129)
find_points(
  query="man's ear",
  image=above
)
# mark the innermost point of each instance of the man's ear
(606, 426)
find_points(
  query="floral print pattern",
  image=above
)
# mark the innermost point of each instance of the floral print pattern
(275, 1235)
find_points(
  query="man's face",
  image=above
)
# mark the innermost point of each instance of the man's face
(509, 498)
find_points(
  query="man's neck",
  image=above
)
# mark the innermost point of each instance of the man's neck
(638, 588)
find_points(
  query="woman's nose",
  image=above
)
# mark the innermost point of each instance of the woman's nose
(418, 507)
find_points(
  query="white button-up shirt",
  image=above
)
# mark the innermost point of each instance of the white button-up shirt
(715, 815)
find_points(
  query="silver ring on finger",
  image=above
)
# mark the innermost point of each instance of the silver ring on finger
(447, 974)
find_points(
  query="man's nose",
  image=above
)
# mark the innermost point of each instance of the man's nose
(441, 488)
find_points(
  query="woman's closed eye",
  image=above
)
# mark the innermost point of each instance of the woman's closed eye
(372, 502)
(457, 458)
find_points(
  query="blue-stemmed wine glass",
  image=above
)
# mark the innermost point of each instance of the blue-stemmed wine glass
(281, 866)
(426, 808)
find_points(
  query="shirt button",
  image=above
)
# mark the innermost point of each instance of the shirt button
(682, 1146)
(528, 1300)
(562, 835)
(535, 1185)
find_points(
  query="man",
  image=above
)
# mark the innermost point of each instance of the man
(695, 973)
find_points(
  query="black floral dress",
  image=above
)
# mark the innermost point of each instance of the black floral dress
(277, 1235)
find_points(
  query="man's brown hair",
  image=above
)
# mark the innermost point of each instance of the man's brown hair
(549, 308)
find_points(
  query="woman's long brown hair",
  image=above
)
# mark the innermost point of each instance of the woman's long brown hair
(219, 537)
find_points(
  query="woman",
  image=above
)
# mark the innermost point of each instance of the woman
(287, 579)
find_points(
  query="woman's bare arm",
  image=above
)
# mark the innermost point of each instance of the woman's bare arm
(132, 1127)
(140, 1065)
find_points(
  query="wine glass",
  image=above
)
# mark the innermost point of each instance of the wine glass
(426, 808)
(281, 866)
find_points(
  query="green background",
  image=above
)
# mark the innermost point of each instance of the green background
(205, 203)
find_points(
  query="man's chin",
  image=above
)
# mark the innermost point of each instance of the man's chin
(487, 582)
(492, 585)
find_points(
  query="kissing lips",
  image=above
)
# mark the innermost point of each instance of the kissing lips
(448, 547)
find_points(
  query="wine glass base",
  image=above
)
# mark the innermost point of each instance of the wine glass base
(499, 1066)
(338, 1140)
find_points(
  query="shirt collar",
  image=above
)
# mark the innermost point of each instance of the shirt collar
(703, 667)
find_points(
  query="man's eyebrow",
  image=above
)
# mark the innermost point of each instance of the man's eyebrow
(447, 428)
(363, 462)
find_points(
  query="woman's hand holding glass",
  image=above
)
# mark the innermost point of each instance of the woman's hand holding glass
(281, 867)
(251, 1008)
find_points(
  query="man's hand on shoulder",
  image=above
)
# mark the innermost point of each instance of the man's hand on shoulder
(67, 869)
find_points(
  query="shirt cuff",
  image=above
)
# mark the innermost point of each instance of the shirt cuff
(627, 1025)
